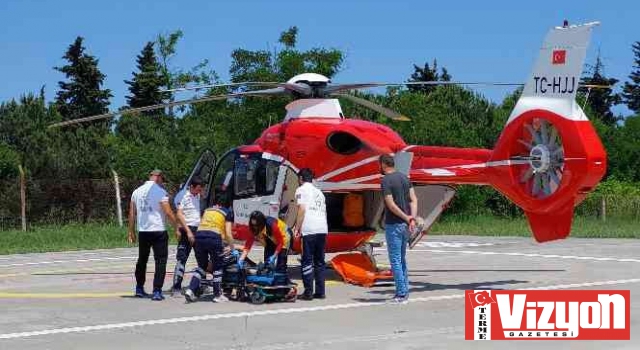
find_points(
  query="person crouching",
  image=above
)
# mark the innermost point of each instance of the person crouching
(215, 226)
(274, 235)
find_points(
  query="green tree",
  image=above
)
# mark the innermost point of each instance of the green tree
(282, 65)
(624, 152)
(172, 77)
(23, 128)
(82, 94)
(631, 90)
(82, 148)
(9, 161)
(601, 99)
(145, 86)
(427, 73)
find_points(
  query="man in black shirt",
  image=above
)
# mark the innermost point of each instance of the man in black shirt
(401, 207)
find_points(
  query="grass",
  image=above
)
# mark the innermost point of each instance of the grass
(493, 226)
(64, 238)
(100, 236)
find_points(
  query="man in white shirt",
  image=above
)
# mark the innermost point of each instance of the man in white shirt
(188, 211)
(149, 208)
(311, 223)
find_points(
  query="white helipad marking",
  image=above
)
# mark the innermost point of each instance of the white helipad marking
(530, 255)
(434, 244)
(69, 261)
(279, 311)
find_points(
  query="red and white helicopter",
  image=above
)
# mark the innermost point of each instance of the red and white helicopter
(547, 158)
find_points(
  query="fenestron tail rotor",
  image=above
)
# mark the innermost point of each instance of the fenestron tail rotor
(543, 175)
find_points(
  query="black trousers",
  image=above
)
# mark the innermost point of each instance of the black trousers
(313, 265)
(182, 255)
(208, 246)
(159, 242)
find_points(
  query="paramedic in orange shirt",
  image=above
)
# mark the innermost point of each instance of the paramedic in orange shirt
(274, 235)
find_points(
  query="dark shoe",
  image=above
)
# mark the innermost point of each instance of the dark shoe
(140, 293)
(305, 296)
(319, 296)
(157, 295)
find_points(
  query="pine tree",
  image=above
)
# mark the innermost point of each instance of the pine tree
(83, 149)
(428, 73)
(631, 90)
(601, 99)
(146, 83)
(81, 95)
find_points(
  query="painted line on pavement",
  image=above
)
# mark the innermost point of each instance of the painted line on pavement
(529, 255)
(277, 312)
(70, 261)
(19, 295)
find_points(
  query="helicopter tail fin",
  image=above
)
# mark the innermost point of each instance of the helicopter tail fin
(554, 154)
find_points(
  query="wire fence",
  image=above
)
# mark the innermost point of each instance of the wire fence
(66, 201)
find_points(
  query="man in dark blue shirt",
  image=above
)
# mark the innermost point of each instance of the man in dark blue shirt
(401, 207)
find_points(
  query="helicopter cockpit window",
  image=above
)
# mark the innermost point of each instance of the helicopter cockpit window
(255, 176)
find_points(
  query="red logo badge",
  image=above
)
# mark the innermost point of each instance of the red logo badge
(480, 299)
(559, 56)
(547, 314)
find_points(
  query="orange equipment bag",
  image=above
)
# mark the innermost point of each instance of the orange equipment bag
(356, 268)
(353, 212)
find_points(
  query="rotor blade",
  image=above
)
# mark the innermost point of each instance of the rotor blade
(552, 144)
(533, 133)
(546, 186)
(554, 177)
(266, 92)
(376, 107)
(210, 86)
(525, 143)
(527, 175)
(301, 88)
(543, 131)
(346, 87)
(536, 184)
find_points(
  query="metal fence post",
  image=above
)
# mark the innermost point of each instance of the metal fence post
(23, 198)
(603, 208)
(118, 204)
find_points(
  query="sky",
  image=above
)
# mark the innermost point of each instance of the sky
(475, 40)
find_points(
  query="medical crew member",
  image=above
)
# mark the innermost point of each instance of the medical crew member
(188, 209)
(215, 226)
(311, 223)
(149, 209)
(275, 237)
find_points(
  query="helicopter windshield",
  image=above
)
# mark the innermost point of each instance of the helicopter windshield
(245, 175)
(254, 175)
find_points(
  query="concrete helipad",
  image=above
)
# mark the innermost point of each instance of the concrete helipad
(82, 300)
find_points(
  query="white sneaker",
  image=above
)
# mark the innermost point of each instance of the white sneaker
(220, 299)
(188, 294)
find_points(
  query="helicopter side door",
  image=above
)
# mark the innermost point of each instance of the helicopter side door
(203, 168)
(258, 183)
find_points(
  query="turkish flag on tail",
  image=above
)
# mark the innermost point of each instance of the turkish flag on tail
(559, 56)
